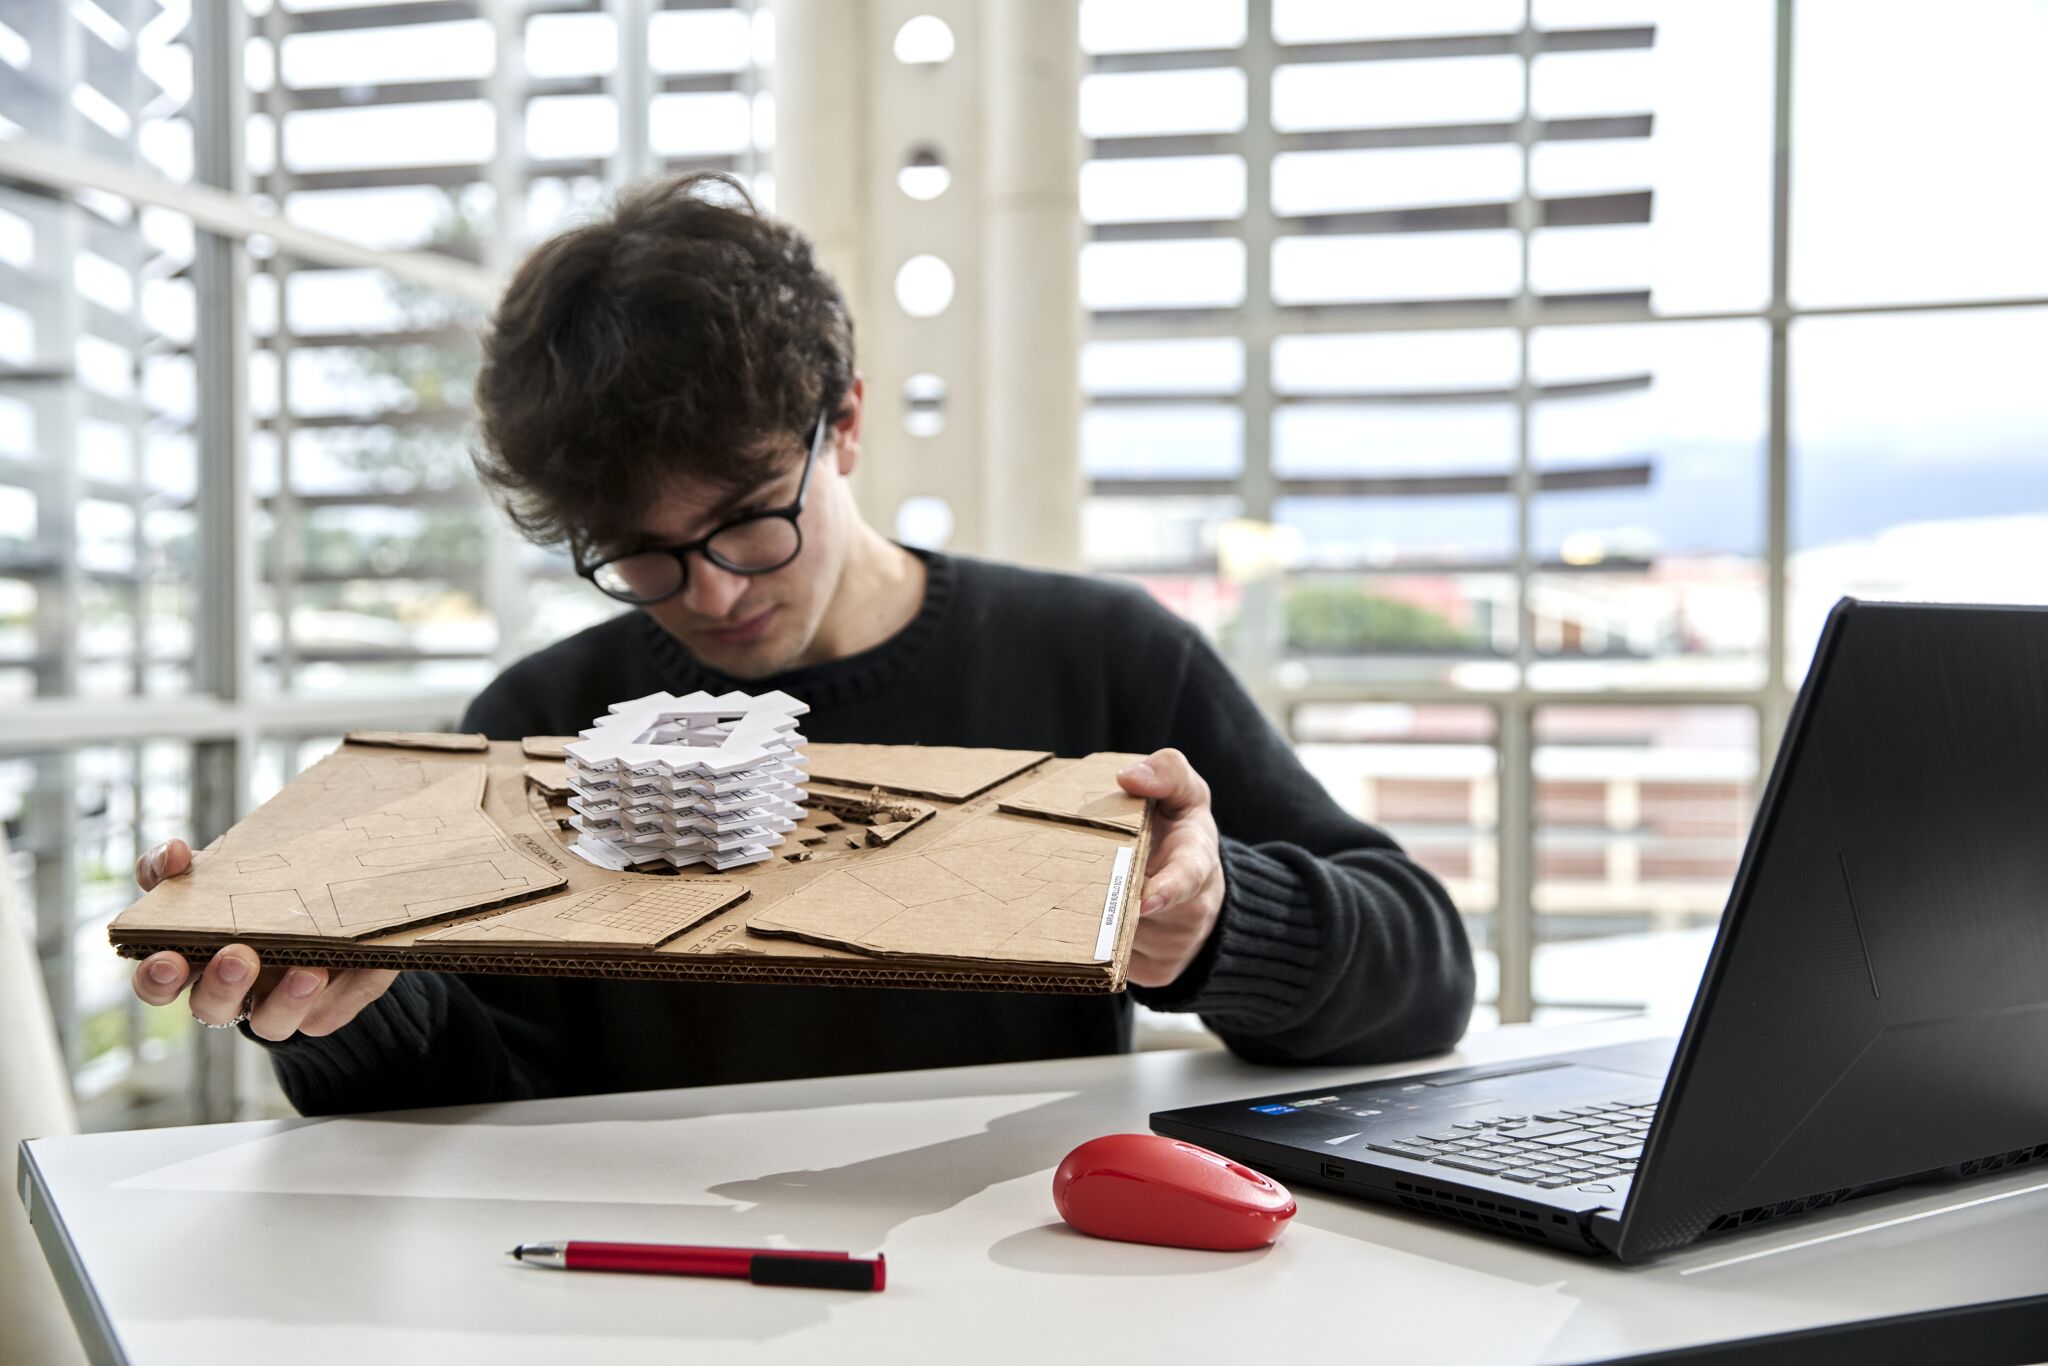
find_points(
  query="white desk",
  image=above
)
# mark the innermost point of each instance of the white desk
(383, 1240)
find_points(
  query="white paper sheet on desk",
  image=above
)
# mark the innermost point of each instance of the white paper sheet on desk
(638, 1162)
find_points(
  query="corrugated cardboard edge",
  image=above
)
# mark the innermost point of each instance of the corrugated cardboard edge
(747, 968)
(463, 743)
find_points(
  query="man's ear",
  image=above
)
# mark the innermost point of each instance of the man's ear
(852, 409)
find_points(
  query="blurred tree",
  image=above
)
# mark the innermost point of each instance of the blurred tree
(1331, 619)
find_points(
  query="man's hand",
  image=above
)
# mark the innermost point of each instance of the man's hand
(1184, 876)
(282, 1001)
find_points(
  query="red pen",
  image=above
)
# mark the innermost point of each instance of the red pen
(762, 1266)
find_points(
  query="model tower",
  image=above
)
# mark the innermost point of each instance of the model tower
(696, 779)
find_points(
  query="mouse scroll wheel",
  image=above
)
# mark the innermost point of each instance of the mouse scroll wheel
(1248, 1174)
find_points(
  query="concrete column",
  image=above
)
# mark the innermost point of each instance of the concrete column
(821, 146)
(1031, 309)
(1000, 113)
(939, 106)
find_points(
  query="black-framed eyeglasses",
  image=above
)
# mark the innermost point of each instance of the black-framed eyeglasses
(758, 543)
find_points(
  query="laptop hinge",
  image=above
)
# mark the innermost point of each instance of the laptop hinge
(1605, 1226)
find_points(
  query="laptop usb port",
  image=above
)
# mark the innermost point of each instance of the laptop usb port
(1333, 1171)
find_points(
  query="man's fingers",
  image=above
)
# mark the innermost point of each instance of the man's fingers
(166, 860)
(1168, 777)
(346, 995)
(227, 981)
(278, 1014)
(1180, 866)
(160, 977)
(1179, 880)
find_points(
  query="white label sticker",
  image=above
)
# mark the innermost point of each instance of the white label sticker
(1112, 906)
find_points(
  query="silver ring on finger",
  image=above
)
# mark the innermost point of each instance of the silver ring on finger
(248, 1004)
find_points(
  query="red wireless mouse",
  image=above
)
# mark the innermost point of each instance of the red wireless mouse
(1142, 1188)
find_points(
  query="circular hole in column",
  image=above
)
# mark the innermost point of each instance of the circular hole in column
(924, 286)
(924, 41)
(923, 174)
(924, 405)
(924, 523)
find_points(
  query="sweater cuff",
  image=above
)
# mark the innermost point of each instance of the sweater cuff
(386, 1035)
(1257, 968)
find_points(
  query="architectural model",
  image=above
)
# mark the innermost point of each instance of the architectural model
(696, 779)
(892, 865)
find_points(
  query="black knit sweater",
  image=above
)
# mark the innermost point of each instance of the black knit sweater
(1333, 946)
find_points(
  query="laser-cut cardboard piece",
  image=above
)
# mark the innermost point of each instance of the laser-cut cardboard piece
(942, 771)
(868, 888)
(398, 852)
(1085, 793)
(419, 739)
(550, 776)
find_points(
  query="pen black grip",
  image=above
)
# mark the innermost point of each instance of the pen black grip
(821, 1273)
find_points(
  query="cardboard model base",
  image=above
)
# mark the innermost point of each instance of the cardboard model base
(913, 866)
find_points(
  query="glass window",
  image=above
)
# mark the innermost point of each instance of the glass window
(1461, 447)
(1422, 365)
(1397, 94)
(1187, 365)
(1641, 815)
(1321, 21)
(1155, 189)
(454, 132)
(1395, 178)
(1132, 535)
(460, 50)
(1674, 206)
(1917, 463)
(1402, 530)
(1163, 441)
(1379, 618)
(1429, 776)
(1648, 526)
(1396, 268)
(1914, 155)
(1149, 103)
(1144, 26)
(1125, 275)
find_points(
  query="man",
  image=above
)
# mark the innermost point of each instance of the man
(672, 393)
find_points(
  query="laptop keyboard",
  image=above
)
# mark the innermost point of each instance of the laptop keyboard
(1556, 1148)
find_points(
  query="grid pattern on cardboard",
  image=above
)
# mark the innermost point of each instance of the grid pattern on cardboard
(659, 911)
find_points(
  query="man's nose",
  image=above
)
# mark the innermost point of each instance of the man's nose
(711, 591)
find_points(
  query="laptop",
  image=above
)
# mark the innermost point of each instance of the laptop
(1874, 1011)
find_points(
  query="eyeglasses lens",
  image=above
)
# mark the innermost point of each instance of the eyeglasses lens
(640, 578)
(760, 544)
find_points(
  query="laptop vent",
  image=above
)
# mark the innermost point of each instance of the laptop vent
(1757, 1214)
(1501, 1217)
(1998, 1161)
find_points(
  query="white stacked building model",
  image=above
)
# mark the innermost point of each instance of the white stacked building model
(696, 779)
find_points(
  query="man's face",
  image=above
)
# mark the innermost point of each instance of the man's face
(753, 626)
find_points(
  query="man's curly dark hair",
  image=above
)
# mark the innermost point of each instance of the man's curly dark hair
(678, 337)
